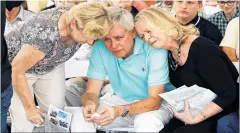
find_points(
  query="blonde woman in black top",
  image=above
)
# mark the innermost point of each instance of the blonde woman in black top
(192, 60)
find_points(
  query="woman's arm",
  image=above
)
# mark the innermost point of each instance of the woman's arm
(231, 39)
(231, 53)
(213, 70)
(23, 61)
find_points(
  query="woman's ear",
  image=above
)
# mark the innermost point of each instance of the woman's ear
(73, 24)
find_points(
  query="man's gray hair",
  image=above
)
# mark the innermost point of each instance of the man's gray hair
(122, 17)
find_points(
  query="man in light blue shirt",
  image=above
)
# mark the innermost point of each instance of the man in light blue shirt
(131, 77)
(137, 73)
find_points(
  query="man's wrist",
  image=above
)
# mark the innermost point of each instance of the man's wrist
(89, 102)
(118, 110)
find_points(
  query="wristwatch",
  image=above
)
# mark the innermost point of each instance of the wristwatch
(126, 111)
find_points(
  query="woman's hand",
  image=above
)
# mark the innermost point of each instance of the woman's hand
(186, 115)
(34, 115)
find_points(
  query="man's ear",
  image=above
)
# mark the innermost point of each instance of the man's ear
(200, 6)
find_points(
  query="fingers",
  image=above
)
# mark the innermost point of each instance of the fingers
(105, 122)
(102, 111)
(87, 113)
(176, 114)
(104, 114)
(187, 106)
(37, 119)
(104, 119)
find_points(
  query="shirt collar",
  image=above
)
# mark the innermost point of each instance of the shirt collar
(138, 45)
(20, 15)
(194, 21)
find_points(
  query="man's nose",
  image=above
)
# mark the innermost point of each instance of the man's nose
(114, 44)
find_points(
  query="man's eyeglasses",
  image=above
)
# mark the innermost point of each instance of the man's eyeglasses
(229, 3)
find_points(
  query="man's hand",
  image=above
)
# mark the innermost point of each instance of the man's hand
(88, 110)
(105, 117)
(108, 114)
(34, 115)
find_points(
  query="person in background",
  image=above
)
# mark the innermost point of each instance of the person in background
(210, 7)
(230, 45)
(229, 11)
(36, 5)
(127, 5)
(166, 5)
(6, 82)
(38, 48)
(150, 2)
(187, 13)
(139, 5)
(24, 5)
(59, 3)
(193, 60)
(15, 17)
(230, 42)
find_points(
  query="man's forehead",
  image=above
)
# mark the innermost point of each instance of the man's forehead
(117, 30)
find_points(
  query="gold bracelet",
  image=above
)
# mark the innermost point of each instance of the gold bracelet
(204, 117)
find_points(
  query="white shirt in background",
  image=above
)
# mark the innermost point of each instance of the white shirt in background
(231, 38)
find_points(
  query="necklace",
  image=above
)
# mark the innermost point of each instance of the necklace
(174, 63)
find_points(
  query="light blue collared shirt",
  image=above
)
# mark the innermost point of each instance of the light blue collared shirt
(21, 17)
(131, 77)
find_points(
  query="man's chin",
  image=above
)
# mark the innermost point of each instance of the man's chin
(119, 55)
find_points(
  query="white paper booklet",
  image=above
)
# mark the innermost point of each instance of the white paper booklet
(197, 97)
(59, 118)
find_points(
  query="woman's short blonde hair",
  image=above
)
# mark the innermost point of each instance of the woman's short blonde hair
(154, 17)
(91, 18)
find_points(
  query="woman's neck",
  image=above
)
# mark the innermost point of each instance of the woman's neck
(184, 49)
(173, 47)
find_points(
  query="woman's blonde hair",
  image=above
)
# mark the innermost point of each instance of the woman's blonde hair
(154, 17)
(91, 18)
